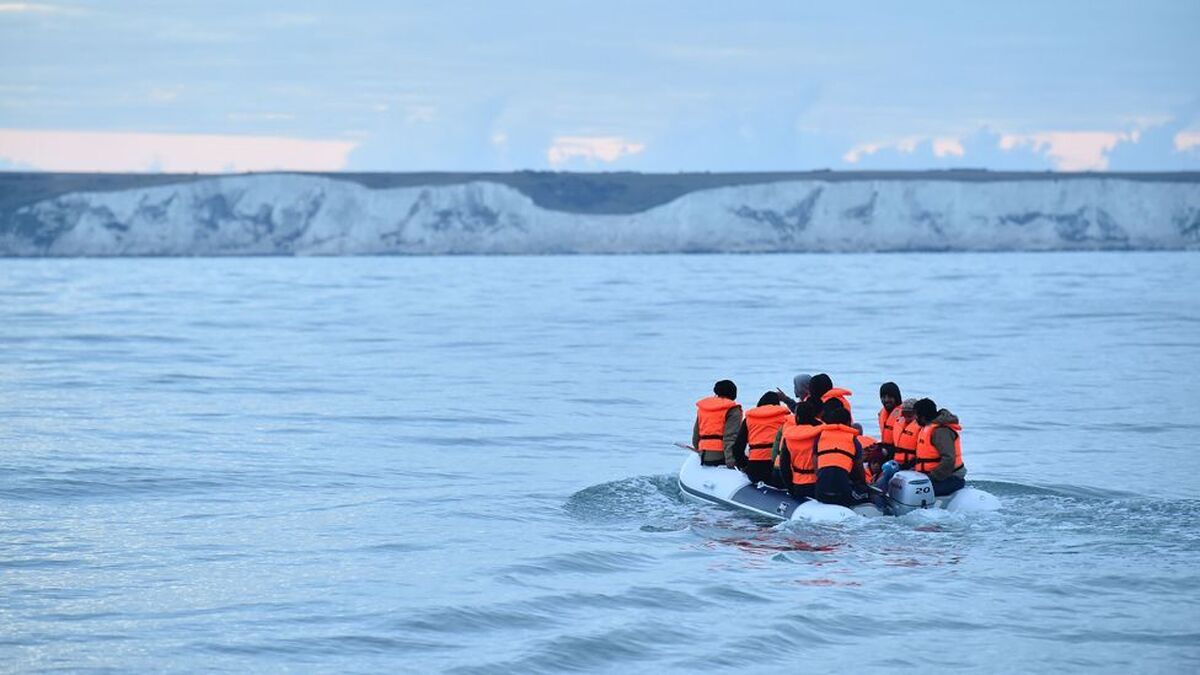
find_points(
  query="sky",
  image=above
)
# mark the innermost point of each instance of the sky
(218, 86)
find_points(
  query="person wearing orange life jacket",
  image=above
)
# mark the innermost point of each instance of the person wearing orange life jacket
(840, 478)
(904, 444)
(758, 431)
(889, 396)
(904, 438)
(939, 448)
(800, 388)
(718, 419)
(796, 458)
(821, 388)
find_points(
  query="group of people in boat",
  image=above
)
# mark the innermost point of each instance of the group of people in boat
(811, 446)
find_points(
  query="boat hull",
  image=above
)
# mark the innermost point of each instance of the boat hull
(731, 488)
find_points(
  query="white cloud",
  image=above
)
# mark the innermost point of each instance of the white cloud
(1186, 140)
(947, 146)
(1070, 150)
(907, 145)
(208, 153)
(591, 148)
(34, 8)
(1138, 147)
(853, 155)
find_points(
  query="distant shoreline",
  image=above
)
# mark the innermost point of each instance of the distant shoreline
(585, 192)
(517, 213)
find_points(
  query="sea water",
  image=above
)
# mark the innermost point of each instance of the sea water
(465, 464)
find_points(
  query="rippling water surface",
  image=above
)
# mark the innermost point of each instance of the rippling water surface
(465, 464)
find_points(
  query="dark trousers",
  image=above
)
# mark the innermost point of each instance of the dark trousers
(760, 471)
(834, 487)
(947, 486)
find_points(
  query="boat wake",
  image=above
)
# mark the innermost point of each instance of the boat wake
(657, 504)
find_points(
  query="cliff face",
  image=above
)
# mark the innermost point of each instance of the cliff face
(283, 214)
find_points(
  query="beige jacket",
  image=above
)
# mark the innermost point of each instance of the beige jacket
(943, 439)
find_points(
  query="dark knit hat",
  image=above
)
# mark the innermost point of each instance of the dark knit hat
(725, 389)
(890, 388)
(769, 398)
(819, 385)
(925, 409)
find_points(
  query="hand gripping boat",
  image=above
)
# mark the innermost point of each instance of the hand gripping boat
(907, 491)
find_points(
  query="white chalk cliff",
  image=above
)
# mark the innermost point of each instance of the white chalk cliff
(282, 214)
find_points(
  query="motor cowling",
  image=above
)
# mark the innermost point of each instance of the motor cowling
(909, 491)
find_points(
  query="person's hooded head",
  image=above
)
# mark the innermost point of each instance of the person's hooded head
(800, 385)
(819, 385)
(925, 410)
(889, 395)
(769, 398)
(806, 413)
(906, 408)
(726, 389)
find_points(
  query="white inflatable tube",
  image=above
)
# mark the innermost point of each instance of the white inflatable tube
(730, 487)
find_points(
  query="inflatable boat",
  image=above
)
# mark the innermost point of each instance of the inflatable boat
(907, 491)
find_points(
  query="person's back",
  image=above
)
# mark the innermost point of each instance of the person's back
(758, 432)
(839, 459)
(718, 419)
(939, 448)
(797, 458)
(821, 389)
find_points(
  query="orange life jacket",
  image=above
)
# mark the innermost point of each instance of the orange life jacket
(837, 447)
(761, 424)
(710, 413)
(905, 443)
(928, 456)
(887, 424)
(799, 439)
(842, 395)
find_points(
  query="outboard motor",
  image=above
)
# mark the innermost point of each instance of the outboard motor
(909, 491)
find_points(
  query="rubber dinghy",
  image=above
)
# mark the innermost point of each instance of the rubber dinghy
(907, 491)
